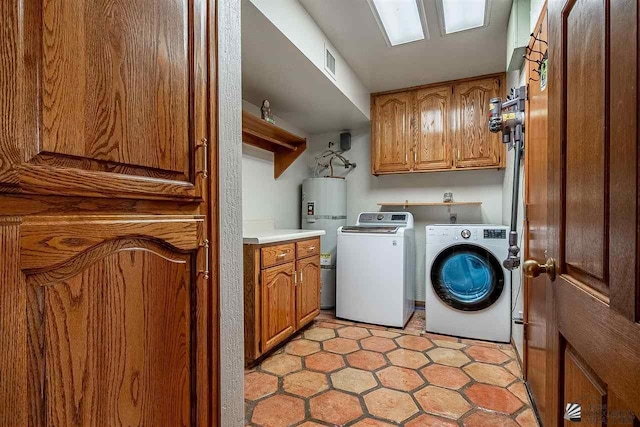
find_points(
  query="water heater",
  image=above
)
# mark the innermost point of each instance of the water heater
(324, 207)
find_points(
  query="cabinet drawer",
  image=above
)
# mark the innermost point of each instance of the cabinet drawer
(278, 254)
(307, 248)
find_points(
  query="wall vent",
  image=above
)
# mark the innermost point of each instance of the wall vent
(329, 62)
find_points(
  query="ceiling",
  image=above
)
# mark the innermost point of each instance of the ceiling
(352, 29)
(275, 69)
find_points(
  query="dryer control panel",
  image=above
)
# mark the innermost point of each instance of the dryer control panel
(398, 219)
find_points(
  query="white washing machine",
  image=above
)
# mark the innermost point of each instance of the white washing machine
(375, 280)
(468, 290)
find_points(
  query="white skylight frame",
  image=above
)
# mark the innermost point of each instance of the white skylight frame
(443, 29)
(423, 22)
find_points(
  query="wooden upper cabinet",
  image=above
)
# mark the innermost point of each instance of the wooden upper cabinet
(475, 146)
(392, 143)
(432, 129)
(116, 103)
(435, 127)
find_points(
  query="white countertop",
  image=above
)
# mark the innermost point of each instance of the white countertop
(260, 237)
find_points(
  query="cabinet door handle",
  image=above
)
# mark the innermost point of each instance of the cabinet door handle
(203, 144)
(282, 255)
(415, 157)
(300, 276)
(295, 278)
(311, 248)
(205, 272)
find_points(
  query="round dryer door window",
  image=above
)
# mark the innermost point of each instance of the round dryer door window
(467, 277)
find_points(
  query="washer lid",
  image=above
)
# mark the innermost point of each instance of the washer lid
(467, 277)
(370, 229)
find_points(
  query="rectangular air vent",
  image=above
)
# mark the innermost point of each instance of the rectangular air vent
(329, 62)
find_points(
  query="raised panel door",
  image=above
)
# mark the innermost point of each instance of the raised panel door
(278, 308)
(432, 130)
(110, 99)
(475, 145)
(307, 290)
(391, 133)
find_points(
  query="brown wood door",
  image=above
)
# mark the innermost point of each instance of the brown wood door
(391, 133)
(432, 130)
(535, 289)
(307, 290)
(475, 145)
(111, 99)
(278, 308)
(594, 335)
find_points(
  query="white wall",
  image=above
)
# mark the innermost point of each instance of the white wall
(266, 198)
(515, 79)
(364, 191)
(299, 27)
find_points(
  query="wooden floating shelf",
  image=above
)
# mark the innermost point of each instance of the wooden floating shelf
(285, 146)
(408, 204)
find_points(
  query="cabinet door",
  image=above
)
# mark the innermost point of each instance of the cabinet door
(391, 133)
(433, 144)
(116, 309)
(278, 304)
(475, 145)
(307, 290)
(110, 101)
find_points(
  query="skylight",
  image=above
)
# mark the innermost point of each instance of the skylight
(401, 21)
(461, 15)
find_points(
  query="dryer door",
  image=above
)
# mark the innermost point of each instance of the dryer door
(467, 277)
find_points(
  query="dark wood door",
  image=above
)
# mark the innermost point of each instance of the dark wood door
(475, 145)
(432, 129)
(107, 214)
(535, 289)
(594, 335)
(391, 139)
(278, 307)
(307, 290)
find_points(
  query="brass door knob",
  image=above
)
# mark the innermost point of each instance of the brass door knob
(533, 268)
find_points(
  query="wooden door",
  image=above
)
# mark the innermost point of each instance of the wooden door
(475, 145)
(278, 308)
(535, 289)
(593, 211)
(107, 213)
(307, 290)
(391, 139)
(432, 130)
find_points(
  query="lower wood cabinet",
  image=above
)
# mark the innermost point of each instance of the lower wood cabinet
(282, 292)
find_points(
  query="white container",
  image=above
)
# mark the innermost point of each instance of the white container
(324, 207)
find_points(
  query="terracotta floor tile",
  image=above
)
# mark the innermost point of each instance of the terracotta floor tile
(324, 362)
(310, 424)
(329, 325)
(305, 383)
(302, 347)
(319, 334)
(493, 398)
(509, 352)
(442, 401)
(489, 374)
(449, 357)
(367, 360)
(514, 368)
(402, 379)
(486, 354)
(383, 333)
(278, 411)
(426, 420)
(370, 422)
(478, 342)
(335, 407)
(433, 336)
(379, 344)
(414, 343)
(407, 358)
(488, 419)
(354, 332)
(353, 380)
(454, 344)
(259, 384)
(520, 391)
(340, 345)
(527, 419)
(391, 405)
(445, 376)
(282, 364)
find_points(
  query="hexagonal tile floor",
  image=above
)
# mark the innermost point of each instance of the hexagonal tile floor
(340, 373)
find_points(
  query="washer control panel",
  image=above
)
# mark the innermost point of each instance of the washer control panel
(399, 219)
(492, 233)
(465, 233)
